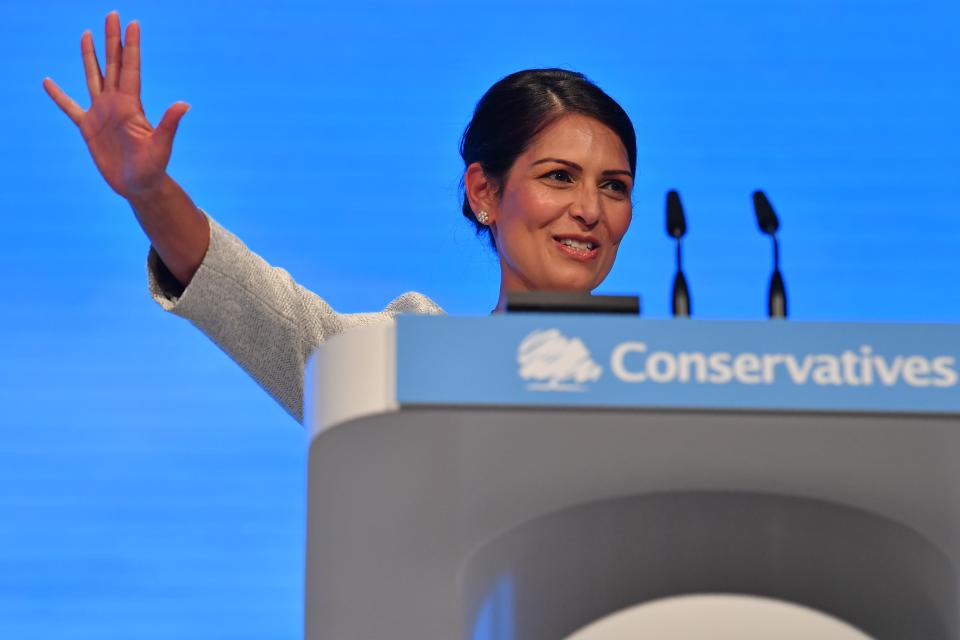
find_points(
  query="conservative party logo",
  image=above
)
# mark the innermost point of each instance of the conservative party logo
(549, 361)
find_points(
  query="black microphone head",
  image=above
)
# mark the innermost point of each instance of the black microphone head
(676, 222)
(766, 217)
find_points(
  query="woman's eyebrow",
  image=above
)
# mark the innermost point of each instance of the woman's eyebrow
(574, 165)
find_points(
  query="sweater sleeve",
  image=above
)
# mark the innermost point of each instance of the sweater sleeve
(258, 315)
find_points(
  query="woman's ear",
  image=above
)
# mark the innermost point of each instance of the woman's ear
(481, 192)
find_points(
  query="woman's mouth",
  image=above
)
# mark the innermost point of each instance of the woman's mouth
(577, 248)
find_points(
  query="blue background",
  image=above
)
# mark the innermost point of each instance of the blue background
(149, 489)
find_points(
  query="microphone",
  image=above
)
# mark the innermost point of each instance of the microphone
(677, 228)
(770, 224)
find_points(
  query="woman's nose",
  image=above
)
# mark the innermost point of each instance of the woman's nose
(587, 209)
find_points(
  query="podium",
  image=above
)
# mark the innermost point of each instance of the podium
(521, 476)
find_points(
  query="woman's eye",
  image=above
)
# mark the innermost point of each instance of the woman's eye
(559, 174)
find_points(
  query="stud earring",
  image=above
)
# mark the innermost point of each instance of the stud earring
(483, 217)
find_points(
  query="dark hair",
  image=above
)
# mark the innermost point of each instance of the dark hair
(515, 109)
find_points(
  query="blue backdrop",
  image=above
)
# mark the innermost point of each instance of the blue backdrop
(149, 489)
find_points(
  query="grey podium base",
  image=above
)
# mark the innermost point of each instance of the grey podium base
(420, 518)
(589, 561)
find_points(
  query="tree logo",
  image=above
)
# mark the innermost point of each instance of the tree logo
(549, 361)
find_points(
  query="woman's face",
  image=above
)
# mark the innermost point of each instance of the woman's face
(564, 208)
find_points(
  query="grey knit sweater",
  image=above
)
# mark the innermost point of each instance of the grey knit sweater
(259, 316)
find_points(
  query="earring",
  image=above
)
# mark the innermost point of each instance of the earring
(483, 217)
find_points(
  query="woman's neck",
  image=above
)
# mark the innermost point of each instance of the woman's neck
(510, 281)
(501, 303)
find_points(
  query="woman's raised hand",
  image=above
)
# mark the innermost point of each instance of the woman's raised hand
(131, 154)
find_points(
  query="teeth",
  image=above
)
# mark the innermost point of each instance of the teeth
(582, 246)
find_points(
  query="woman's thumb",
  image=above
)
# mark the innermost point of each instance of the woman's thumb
(171, 120)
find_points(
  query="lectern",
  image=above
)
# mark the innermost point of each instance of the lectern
(519, 477)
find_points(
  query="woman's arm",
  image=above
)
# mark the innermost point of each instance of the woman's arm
(260, 316)
(178, 230)
(198, 270)
(131, 154)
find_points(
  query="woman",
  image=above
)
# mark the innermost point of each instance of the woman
(549, 165)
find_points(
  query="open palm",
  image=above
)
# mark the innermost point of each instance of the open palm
(131, 154)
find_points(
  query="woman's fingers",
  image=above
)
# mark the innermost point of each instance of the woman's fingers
(69, 107)
(167, 127)
(130, 68)
(90, 65)
(114, 52)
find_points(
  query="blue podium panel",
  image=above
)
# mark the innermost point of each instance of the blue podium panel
(604, 361)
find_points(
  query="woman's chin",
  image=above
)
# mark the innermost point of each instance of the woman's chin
(571, 282)
(559, 277)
